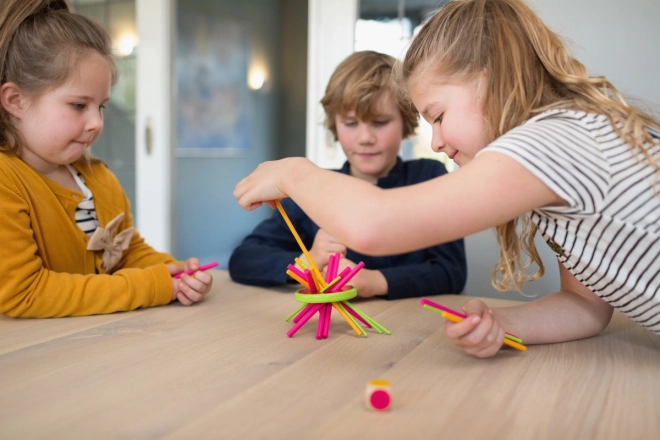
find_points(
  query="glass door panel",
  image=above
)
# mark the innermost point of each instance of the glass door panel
(387, 26)
(116, 145)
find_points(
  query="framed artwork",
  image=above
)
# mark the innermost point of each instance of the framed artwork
(211, 110)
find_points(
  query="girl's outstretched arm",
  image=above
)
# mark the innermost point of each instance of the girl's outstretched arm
(490, 190)
(572, 313)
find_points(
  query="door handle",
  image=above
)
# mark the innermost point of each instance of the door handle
(148, 137)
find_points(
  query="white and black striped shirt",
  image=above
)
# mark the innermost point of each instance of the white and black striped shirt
(85, 211)
(608, 234)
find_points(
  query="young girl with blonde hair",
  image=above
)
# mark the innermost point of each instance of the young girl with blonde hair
(541, 146)
(68, 242)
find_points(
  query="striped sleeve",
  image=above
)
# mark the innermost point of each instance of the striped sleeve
(564, 154)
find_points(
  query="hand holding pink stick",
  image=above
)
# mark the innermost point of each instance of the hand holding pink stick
(190, 272)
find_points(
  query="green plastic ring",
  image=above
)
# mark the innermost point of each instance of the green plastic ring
(304, 296)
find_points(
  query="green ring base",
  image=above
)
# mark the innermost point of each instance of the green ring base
(347, 292)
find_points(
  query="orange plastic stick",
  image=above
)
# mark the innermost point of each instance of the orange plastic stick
(297, 278)
(349, 320)
(315, 270)
(510, 343)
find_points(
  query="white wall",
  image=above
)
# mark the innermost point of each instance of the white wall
(618, 39)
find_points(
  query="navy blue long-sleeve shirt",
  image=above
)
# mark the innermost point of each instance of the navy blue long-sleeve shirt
(262, 258)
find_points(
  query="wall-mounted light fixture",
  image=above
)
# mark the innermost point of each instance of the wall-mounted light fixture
(257, 75)
(125, 44)
(256, 79)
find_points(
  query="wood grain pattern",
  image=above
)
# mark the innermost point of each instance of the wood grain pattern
(226, 369)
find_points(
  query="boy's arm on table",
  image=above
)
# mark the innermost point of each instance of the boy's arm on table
(30, 290)
(257, 263)
(263, 256)
(444, 271)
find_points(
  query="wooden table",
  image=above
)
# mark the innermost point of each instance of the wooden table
(225, 368)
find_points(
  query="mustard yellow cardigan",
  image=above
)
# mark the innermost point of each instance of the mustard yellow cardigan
(45, 267)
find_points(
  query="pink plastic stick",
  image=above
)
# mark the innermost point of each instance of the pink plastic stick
(328, 272)
(295, 270)
(335, 266)
(315, 308)
(354, 313)
(321, 324)
(345, 279)
(302, 313)
(328, 315)
(428, 302)
(343, 273)
(190, 272)
(310, 281)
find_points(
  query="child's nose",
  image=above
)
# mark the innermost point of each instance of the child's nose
(365, 134)
(95, 122)
(437, 142)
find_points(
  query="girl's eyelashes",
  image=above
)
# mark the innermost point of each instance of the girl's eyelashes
(438, 119)
(349, 122)
(380, 122)
(80, 106)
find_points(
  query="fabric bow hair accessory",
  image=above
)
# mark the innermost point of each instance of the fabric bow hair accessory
(113, 249)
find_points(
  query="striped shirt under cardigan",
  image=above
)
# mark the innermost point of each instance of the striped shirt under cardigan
(85, 214)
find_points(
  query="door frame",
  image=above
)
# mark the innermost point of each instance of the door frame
(331, 38)
(153, 127)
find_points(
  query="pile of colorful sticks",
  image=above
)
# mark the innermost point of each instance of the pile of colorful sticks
(321, 295)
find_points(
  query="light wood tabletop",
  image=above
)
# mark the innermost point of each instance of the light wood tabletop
(225, 368)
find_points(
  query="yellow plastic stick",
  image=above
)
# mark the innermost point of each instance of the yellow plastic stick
(510, 343)
(352, 318)
(297, 278)
(318, 278)
(314, 269)
(316, 275)
(295, 313)
(343, 314)
(332, 283)
(317, 284)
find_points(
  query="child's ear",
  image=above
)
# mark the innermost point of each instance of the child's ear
(12, 99)
(483, 80)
